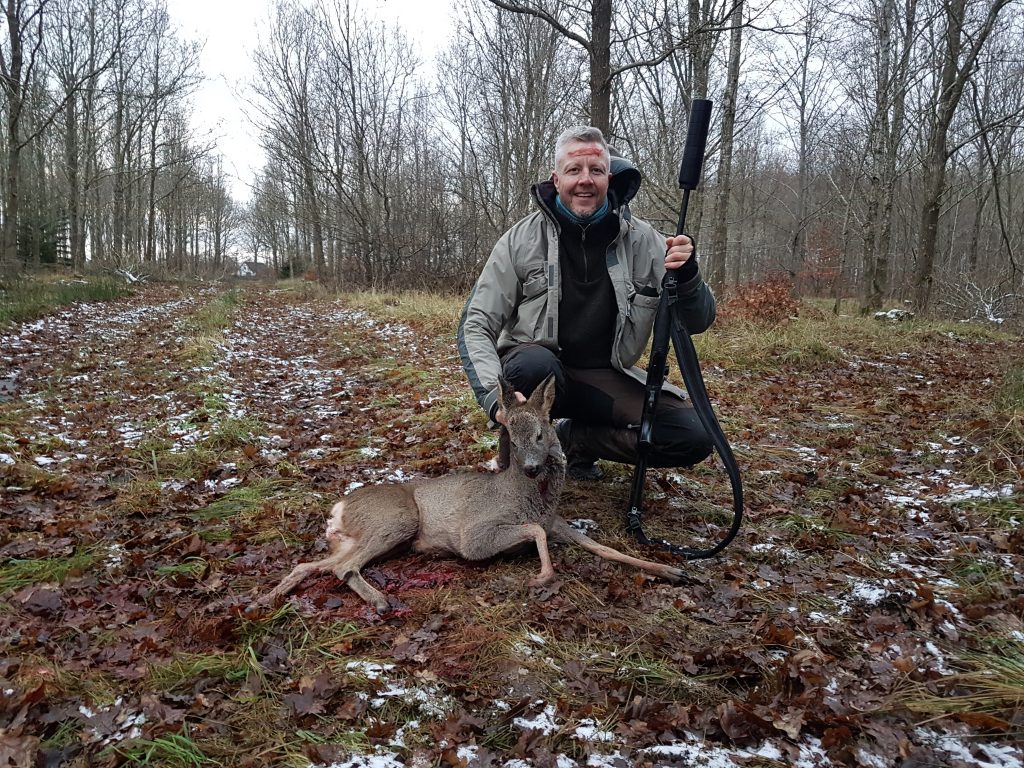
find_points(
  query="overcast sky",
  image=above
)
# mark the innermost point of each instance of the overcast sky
(231, 29)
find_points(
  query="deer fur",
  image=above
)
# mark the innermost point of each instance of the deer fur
(472, 515)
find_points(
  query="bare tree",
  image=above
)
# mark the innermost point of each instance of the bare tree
(506, 97)
(719, 228)
(18, 60)
(803, 68)
(593, 30)
(82, 36)
(964, 28)
(891, 29)
(285, 67)
(172, 69)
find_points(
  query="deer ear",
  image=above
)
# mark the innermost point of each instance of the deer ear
(543, 397)
(506, 394)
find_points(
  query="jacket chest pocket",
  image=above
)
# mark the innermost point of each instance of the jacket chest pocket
(533, 307)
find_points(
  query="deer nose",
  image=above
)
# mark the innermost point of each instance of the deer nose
(531, 470)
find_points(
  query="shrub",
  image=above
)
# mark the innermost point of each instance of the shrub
(770, 302)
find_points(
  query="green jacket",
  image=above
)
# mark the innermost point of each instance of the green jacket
(515, 299)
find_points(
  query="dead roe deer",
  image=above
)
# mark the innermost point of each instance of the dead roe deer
(472, 515)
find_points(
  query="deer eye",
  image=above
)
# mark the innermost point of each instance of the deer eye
(538, 438)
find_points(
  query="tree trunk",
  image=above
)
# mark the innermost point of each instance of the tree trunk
(934, 184)
(720, 237)
(601, 65)
(13, 91)
(957, 67)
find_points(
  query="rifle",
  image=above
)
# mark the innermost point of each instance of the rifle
(667, 326)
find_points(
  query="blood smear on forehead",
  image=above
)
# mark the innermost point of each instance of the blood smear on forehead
(586, 151)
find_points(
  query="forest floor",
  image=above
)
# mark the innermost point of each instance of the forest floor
(166, 456)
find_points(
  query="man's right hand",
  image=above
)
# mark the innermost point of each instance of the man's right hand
(680, 251)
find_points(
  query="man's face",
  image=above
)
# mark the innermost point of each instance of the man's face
(581, 177)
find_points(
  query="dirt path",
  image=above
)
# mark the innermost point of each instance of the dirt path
(165, 457)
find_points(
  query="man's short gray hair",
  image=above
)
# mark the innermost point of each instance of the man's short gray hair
(586, 134)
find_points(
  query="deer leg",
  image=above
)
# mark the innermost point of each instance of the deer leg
(487, 541)
(563, 532)
(370, 594)
(342, 550)
(365, 550)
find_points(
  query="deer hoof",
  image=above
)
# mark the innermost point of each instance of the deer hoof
(675, 575)
(541, 579)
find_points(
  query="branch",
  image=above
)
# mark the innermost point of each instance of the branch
(990, 156)
(547, 17)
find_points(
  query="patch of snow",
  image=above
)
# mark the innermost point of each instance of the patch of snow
(895, 315)
(810, 454)
(584, 524)
(383, 760)
(867, 593)
(221, 485)
(834, 423)
(967, 750)
(820, 618)
(428, 699)
(696, 751)
(5, 458)
(371, 670)
(962, 492)
(871, 760)
(115, 556)
(606, 761)
(588, 730)
(128, 724)
(940, 658)
(543, 721)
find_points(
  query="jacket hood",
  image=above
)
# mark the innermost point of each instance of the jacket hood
(626, 179)
(622, 187)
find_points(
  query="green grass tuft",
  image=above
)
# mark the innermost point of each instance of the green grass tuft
(27, 299)
(185, 669)
(171, 750)
(1011, 393)
(431, 313)
(15, 574)
(991, 687)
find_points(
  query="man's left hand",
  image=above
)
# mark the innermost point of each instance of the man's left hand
(680, 251)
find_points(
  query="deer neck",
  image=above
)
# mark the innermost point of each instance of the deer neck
(544, 489)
